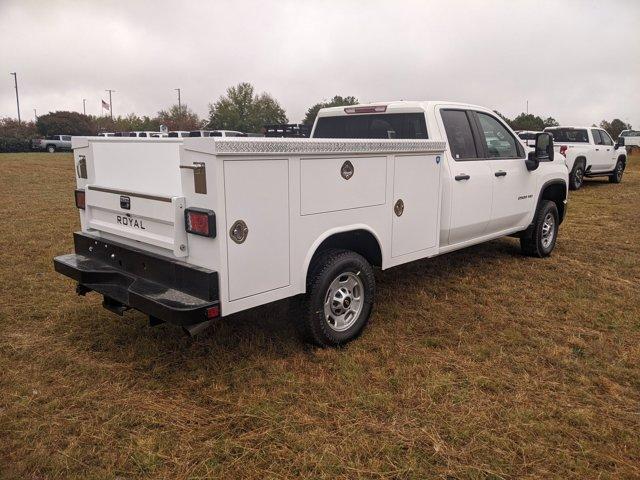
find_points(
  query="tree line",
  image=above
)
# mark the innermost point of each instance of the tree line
(240, 108)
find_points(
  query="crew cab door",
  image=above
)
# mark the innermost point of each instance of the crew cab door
(470, 178)
(598, 157)
(609, 155)
(513, 187)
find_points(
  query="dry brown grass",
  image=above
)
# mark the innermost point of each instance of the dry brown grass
(479, 364)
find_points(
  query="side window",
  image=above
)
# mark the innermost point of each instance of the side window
(66, 138)
(606, 139)
(500, 143)
(597, 139)
(458, 128)
(143, 134)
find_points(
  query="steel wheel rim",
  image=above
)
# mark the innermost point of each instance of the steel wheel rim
(343, 301)
(619, 171)
(548, 230)
(579, 176)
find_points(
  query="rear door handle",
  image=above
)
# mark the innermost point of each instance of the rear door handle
(464, 176)
(597, 149)
(500, 173)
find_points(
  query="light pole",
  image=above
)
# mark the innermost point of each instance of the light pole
(110, 103)
(35, 114)
(15, 78)
(179, 102)
(84, 106)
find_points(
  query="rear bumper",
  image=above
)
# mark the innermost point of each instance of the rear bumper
(128, 277)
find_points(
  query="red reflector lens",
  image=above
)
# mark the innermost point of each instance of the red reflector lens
(563, 150)
(200, 222)
(213, 312)
(80, 199)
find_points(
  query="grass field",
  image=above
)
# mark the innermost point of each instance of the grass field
(479, 364)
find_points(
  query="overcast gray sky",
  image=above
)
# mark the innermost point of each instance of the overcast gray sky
(578, 61)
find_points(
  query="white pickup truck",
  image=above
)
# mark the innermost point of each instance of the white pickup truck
(589, 152)
(631, 138)
(187, 230)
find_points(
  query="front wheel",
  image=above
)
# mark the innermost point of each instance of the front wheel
(51, 149)
(616, 176)
(542, 240)
(339, 299)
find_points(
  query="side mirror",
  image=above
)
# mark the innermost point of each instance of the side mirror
(619, 143)
(543, 151)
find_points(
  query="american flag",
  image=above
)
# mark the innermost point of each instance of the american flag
(105, 105)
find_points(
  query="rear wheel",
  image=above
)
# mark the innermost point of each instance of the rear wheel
(542, 240)
(616, 176)
(339, 300)
(51, 148)
(576, 177)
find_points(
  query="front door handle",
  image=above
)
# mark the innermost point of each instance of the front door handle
(464, 176)
(597, 149)
(500, 173)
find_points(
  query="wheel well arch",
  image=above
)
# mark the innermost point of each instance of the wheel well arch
(581, 158)
(359, 239)
(556, 191)
(623, 157)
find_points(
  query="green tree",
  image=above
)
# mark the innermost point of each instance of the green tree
(16, 136)
(240, 109)
(179, 118)
(528, 121)
(615, 127)
(336, 101)
(551, 122)
(65, 123)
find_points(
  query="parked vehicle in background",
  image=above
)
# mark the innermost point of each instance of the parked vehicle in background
(178, 133)
(106, 134)
(631, 138)
(188, 230)
(589, 152)
(290, 130)
(52, 143)
(528, 137)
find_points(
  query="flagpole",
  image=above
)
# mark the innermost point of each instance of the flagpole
(110, 103)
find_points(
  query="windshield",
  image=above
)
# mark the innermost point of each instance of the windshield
(571, 135)
(390, 125)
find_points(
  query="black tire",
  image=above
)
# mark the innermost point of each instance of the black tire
(616, 176)
(538, 243)
(329, 267)
(51, 148)
(576, 177)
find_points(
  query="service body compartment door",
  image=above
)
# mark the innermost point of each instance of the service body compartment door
(416, 203)
(257, 194)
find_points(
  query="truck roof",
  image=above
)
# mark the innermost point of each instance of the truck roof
(398, 106)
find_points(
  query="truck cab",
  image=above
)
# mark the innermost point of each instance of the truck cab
(589, 152)
(488, 188)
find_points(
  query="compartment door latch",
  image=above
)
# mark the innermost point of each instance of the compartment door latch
(199, 176)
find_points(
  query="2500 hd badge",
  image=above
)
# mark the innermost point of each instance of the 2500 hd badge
(130, 222)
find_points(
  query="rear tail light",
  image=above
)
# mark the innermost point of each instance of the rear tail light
(200, 222)
(80, 198)
(213, 312)
(563, 150)
(374, 109)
